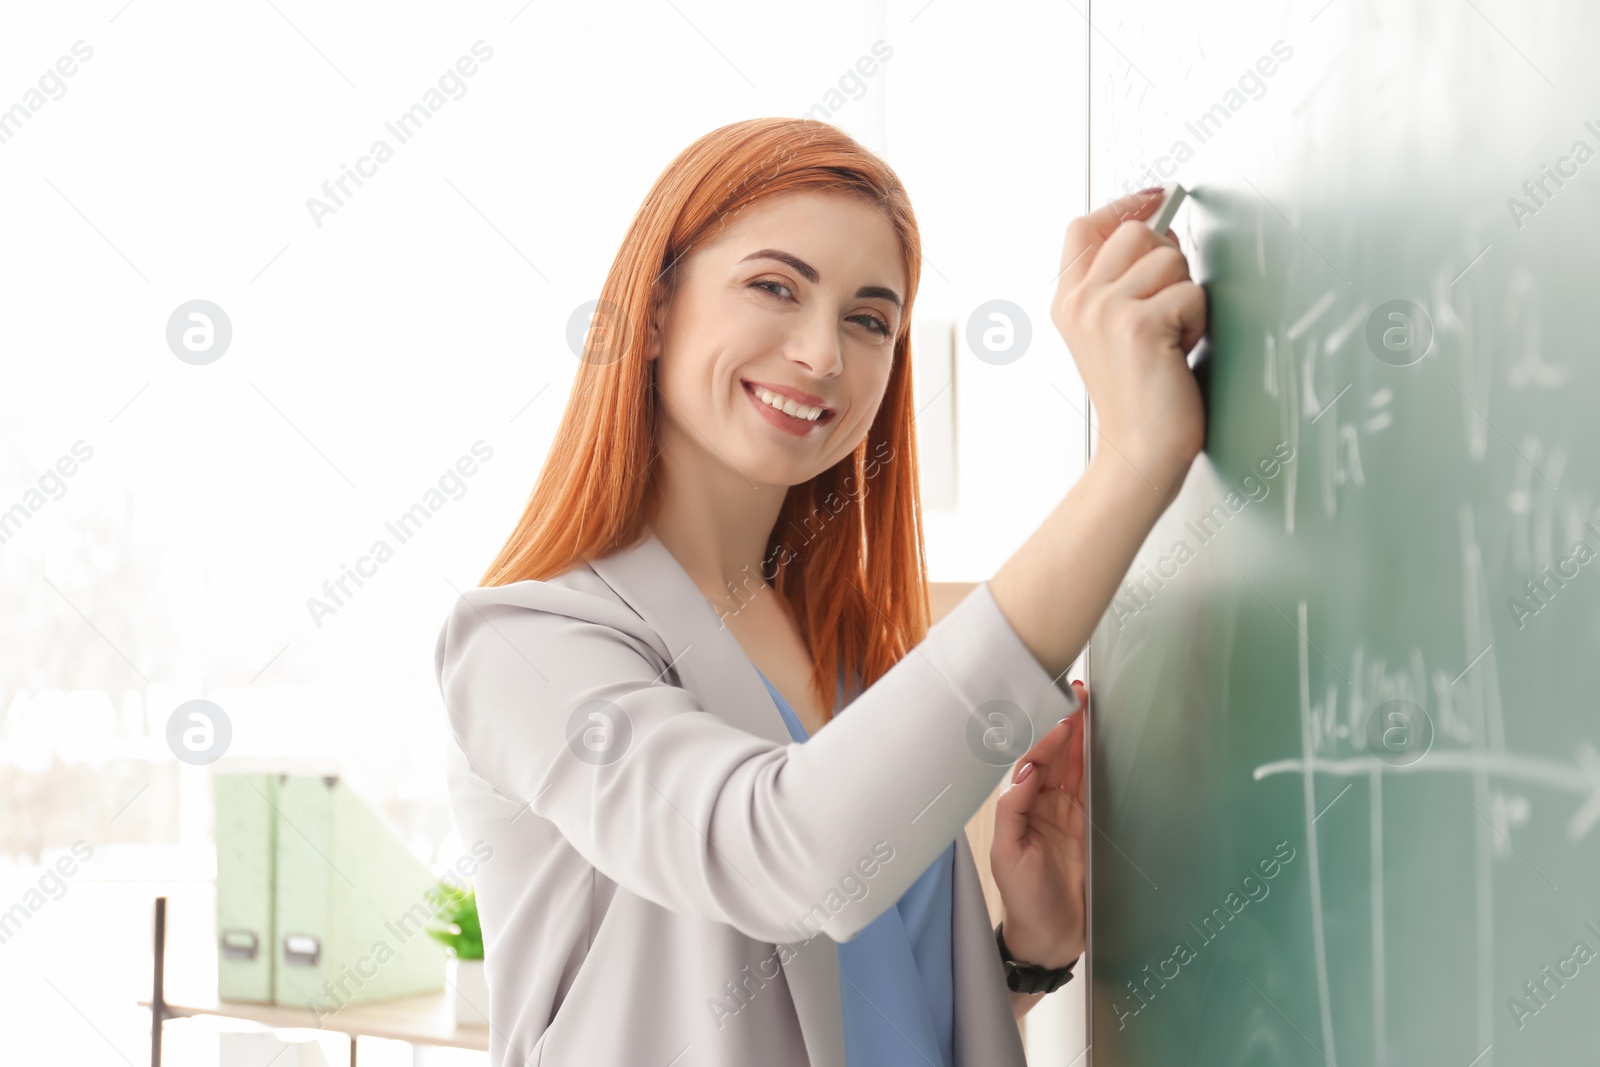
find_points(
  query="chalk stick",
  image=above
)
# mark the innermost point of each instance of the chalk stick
(1173, 196)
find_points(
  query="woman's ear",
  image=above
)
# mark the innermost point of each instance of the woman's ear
(658, 307)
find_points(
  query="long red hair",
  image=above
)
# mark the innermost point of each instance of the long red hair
(598, 488)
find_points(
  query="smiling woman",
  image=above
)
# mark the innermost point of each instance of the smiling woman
(646, 696)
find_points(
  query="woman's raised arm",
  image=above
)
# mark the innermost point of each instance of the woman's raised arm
(1130, 314)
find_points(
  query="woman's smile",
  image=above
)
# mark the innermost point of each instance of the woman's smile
(764, 398)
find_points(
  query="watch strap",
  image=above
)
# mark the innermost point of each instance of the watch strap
(1027, 977)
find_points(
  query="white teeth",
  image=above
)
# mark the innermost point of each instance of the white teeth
(787, 406)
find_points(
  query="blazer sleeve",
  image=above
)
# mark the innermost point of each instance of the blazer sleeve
(780, 841)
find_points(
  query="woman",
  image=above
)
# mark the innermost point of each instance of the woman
(723, 553)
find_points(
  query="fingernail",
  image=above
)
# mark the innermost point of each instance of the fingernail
(1152, 189)
(1023, 772)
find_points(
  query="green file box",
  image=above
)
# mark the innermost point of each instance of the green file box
(246, 850)
(351, 903)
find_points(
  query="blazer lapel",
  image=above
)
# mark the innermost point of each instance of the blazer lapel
(711, 664)
(707, 658)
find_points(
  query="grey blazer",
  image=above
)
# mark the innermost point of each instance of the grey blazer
(664, 855)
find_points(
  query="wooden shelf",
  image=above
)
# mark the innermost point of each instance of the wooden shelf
(422, 1020)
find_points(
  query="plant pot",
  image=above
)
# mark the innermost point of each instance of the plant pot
(471, 992)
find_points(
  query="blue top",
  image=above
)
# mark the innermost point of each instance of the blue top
(895, 977)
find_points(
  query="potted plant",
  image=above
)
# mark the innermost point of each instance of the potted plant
(456, 927)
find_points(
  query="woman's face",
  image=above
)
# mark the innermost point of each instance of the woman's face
(801, 295)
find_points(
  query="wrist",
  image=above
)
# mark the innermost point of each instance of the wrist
(1139, 487)
(1025, 979)
(1034, 950)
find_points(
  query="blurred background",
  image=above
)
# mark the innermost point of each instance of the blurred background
(174, 525)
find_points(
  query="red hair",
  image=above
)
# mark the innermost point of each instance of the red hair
(598, 488)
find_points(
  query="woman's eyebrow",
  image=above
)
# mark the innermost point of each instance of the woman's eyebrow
(809, 273)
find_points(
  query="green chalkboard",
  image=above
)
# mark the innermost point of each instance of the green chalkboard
(1344, 774)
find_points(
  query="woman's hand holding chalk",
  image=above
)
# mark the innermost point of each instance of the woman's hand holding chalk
(1130, 313)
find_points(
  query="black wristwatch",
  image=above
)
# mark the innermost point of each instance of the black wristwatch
(1028, 977)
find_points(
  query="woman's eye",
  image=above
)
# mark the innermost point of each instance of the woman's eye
(877, 325)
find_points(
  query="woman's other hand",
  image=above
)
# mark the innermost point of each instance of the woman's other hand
(1039, 855)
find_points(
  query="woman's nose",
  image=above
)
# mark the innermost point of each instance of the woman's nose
(817, 348)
